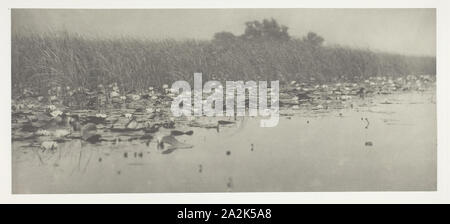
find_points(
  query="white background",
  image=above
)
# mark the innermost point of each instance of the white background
(443, 82)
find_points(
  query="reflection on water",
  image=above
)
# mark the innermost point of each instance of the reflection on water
(381, 146)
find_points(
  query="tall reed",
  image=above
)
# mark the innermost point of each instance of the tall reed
(40, 61)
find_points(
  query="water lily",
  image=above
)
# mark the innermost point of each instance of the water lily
(345, 97)
(114, 94)
(56, 113)
(101, 115)
(135, 97)
(128, 115)
(51, 107)
(42, 132)
(319, 107)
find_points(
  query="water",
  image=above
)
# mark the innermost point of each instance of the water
(324, 150)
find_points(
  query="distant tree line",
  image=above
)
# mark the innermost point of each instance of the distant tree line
(267, 30)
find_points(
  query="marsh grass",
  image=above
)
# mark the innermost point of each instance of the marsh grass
(42, 61)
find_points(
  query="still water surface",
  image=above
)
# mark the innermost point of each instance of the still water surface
(307, 151)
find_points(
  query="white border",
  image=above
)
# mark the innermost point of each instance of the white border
(443, 76)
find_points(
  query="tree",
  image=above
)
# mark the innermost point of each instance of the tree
(225, 37)
(265, 30)
(313, 39)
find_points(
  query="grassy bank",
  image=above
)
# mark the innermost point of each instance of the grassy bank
(40, 62)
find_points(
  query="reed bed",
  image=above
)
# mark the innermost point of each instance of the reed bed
(43, 61)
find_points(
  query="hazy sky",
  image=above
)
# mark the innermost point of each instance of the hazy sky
(406, 31)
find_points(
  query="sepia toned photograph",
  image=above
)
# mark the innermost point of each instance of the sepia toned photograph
(223, 100)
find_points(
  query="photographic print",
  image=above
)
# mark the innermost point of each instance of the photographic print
(223, 100)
